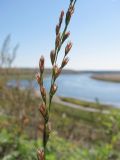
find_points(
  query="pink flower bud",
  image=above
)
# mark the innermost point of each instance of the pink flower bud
(66, 35)
(52, 56)
(41, 64)
(42, 109)
(53, 89)
(43, 93)
(40, 154)
(64, 62)
(68, 48)
(38, 78)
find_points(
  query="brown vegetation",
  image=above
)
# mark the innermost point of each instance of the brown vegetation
(112, 77)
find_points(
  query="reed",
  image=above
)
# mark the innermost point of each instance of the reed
(45, 107)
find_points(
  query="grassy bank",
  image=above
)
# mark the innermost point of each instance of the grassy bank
(76, 134)
(87, 104)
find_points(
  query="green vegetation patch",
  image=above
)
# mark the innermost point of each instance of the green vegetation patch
(96, 105)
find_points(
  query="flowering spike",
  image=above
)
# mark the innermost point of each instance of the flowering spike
(69, 14)
(41, 64)
(61, 18)
(56, 71)
(68, 48)
(64, 62)
(42, 109)
(52, 56)
(39, 79)
(57, 41)
(53, 89)
(66, 35)
(43, 93)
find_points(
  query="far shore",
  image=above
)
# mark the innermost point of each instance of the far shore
(29, 73)
(111, 77)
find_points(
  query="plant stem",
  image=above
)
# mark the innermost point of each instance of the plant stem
(44, 140)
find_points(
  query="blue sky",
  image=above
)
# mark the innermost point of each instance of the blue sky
(95, 32)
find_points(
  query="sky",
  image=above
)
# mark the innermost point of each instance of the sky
(94, 27)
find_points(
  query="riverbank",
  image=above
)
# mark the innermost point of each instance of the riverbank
(87, 104)
(77, 130)
(110, 77)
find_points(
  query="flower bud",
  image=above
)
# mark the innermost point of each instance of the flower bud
(38, 78)
(41, 64)
(71, 10)
(68, 48)
(57, 41)
(69, 14)
(52, 56)
(42, 109)
(66, 35)
(57, 29)
(61, 18)
(43, 93)
(40, 154)
(56, 71)
(62, 14)
(64, 62)
(53, 89)
(44, 112)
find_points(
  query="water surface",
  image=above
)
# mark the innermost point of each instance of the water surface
(82, 86)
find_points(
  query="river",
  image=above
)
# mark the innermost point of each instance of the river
(82, 86)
